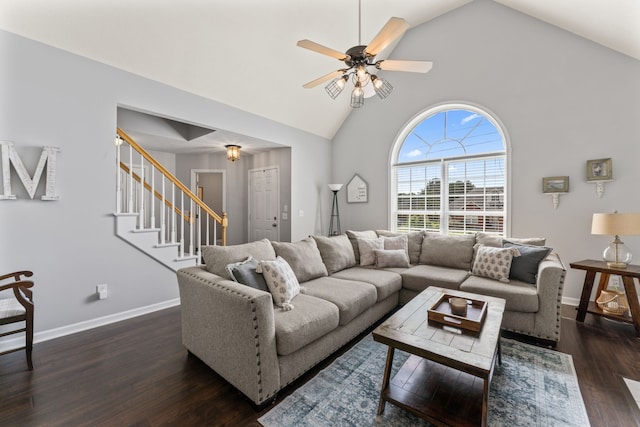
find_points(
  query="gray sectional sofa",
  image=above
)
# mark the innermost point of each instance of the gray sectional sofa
(260, 337)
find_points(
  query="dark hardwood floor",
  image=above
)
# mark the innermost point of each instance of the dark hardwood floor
(136, 372)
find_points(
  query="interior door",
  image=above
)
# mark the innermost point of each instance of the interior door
(264, 222)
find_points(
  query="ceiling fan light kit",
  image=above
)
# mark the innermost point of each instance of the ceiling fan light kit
(358, 59)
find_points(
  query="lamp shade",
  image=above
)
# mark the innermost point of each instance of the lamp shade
(612, 224)
(335, 187)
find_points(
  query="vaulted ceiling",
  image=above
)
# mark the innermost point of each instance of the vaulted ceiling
(243, 52)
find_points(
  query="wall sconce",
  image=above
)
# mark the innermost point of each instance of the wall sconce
(233, 152)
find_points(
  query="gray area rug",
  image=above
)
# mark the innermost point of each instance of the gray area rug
(533, 387)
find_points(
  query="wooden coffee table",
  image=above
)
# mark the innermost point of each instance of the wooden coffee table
(447, 380)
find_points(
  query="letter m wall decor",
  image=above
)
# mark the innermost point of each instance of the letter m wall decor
(10, 157)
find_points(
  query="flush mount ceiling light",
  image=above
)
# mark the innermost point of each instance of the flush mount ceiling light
(233, 152)
(360, 58)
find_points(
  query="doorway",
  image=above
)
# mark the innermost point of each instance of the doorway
(209, 186)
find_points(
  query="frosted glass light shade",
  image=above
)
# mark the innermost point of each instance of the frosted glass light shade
(335, 187)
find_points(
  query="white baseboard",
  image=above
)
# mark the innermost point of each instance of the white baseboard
(571, 301)
(50, 334)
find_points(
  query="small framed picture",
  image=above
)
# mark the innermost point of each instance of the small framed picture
(555, 184)
(599, 170)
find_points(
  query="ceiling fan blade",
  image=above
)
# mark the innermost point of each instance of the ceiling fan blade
(319, 80)
(393, 29)
(316, 47)
(410, 66)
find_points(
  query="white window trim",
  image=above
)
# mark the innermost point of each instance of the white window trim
(406, 129)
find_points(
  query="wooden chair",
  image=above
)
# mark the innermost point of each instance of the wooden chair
(19, 308)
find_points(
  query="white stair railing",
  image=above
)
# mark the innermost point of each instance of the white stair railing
(137, 196)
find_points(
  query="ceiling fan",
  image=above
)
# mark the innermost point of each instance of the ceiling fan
(359, 58)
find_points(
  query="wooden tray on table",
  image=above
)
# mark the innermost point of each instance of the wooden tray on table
(440, 314)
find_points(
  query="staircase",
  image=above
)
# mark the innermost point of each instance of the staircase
(150, 210)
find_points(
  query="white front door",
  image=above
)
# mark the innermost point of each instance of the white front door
(264, 222)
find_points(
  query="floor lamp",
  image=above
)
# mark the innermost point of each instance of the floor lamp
(334, 225)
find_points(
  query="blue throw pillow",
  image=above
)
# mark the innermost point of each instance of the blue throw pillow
(525, 267)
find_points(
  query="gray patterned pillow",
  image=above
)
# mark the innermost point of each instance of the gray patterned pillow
(494, 263)
(281, 281)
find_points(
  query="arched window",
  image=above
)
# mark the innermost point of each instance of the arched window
(448, 173)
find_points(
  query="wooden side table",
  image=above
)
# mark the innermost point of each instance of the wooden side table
(628, 275)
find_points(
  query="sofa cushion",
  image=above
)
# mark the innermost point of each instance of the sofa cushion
(454, 251)
(525, 267)
(414, 239)
(245, 272)
(351, 297)
(494, 263)
(337, 252)
(391, 258)
(281, 281)
(353, 238)
(303, 257)
(496, 240)
(216, 258)
(419, 277)
(367, 248)
(520, 296)
(312, 319)
(386, 282)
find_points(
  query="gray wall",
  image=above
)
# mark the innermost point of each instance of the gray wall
(51, 97)
(563, 100)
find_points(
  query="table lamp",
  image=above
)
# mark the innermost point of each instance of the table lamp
(615, 224)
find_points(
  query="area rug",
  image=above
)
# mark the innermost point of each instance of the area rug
(533, 387)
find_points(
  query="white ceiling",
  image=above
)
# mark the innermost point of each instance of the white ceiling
(243, 52)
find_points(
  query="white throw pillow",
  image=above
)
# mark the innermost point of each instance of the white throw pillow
(281, 280)
(494, 263)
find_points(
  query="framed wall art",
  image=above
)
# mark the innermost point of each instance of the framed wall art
(357, 190)
(599, 170)
(555, 184)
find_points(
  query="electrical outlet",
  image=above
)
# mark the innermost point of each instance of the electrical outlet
(101, 291)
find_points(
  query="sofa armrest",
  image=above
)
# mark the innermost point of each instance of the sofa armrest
(550, 284)
(231, 328)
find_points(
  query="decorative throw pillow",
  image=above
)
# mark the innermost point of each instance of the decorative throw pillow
(391, 258)
(494, 263)
(415, 242)
(366, 247)
(244, 272)
(336, 251)
(397, 242)
(353, 238)
(525, 267)
(303, 257)
(281, 281)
